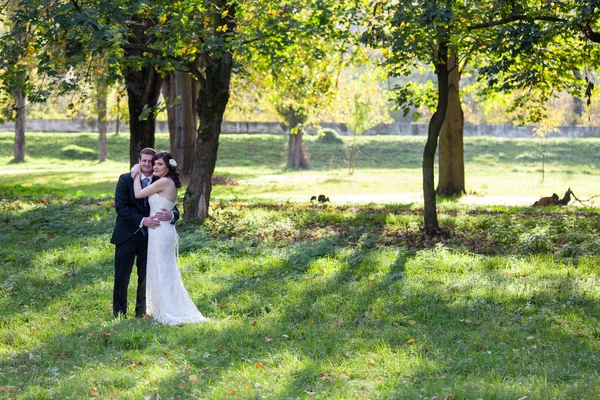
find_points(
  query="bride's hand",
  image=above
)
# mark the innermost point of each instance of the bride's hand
(135, 170)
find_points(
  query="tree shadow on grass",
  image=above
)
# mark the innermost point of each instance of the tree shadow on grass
(322, 318)
(345, 325)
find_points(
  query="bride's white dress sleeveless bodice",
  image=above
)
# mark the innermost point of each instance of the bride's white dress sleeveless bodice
(167, 300)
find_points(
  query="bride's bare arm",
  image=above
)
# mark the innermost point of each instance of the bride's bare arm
(140, 193)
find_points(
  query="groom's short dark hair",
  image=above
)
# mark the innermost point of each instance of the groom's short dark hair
(148, 150)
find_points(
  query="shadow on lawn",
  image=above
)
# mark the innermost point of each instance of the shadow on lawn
(390, 329)
(350, 316)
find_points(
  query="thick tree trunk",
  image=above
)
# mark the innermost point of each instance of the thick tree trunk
(19, 149)
(297, 159)
(451, 161)
(143, 90)
(210, 105)
(102, 93)
(181, 89)
(435, 125)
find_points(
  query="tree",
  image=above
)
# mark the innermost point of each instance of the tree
(451, 169)
(143, 40)
(101, 97)
(539, 49)
(14, 93)
(361, 102)
(412, 32)
(300, 72)
(180, 91)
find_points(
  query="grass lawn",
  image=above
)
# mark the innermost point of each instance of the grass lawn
(348, 300)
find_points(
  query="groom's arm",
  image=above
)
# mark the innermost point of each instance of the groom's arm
(124, 208)
(175, 214)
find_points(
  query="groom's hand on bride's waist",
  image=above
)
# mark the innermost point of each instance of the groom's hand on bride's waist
(164, 215)
(151, 222)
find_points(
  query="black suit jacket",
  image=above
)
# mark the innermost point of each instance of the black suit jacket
(130, 210)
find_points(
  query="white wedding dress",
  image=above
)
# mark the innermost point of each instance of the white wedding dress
(167, 300)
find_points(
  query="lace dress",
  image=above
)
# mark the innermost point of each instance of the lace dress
(167, 300)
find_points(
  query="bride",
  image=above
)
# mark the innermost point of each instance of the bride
(167, 299)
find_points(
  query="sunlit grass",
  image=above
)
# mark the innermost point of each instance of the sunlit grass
(505, 171)
(310, 301)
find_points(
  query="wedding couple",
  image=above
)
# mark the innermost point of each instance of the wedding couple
(146, 212)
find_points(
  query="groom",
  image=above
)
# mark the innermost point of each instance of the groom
(131, 235)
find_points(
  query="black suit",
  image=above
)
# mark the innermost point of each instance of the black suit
(131, 244)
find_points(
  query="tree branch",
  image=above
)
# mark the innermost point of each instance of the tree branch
(590, 33)
(514, 18)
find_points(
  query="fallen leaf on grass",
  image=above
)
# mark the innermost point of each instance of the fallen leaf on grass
(309, 392)
(410, 341)
(193, 378)
(371, 362)
(232, 392)
(222, 306)
(182, 384)
(259, 365)
(94, 391)
(268, 339)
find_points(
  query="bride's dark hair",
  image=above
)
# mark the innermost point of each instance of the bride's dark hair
(172, 171)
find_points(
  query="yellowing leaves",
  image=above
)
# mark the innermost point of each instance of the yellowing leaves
(206, 21)
(222, 28)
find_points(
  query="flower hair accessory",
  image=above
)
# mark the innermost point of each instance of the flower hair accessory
(172, 162)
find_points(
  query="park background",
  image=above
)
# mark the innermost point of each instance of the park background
(350, 298)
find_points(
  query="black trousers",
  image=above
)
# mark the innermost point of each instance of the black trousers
(134, 249)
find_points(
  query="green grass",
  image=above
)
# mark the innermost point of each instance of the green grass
(341, 301)
(388, 168)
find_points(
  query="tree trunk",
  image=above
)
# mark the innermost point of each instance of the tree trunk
(451, 161)
(181, 89)
(102, 93)
(143, 90)
(210, 105)
(19, 149)
(435, 125)
(297, 159)
(575, 118)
